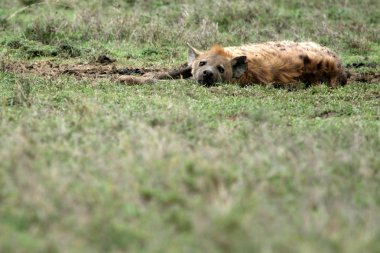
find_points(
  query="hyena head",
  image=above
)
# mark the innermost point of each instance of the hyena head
(215, 65)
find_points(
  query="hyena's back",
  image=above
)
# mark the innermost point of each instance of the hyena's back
(288, 62)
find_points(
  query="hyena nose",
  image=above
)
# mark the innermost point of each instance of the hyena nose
(207, 73)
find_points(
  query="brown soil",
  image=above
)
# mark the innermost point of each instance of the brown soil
(370, 77)
(101, 69)
(104, 69)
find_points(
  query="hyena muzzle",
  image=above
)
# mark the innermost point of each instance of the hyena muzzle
(280, 63)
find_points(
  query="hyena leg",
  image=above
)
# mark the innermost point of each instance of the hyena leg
(343, 76)
(135, 80)
(333, 81)
(183, 72)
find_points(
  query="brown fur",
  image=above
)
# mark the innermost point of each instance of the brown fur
(281, 62)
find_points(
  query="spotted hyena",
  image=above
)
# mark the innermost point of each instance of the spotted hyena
(267, 63)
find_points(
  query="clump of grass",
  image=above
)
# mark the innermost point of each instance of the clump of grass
(14, 43)
(65, 49)
(3, 23)
(32, 49)
(29, 2)
(21, 97)
(358, 45)
(46, 31)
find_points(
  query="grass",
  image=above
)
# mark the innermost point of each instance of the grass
(94, 166)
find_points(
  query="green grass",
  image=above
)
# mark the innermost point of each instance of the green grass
(94, 166)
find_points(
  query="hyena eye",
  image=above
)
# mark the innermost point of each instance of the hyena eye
(221, 69)
(202, 63)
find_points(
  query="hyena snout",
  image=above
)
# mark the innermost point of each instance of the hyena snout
(207, 77)
(207, 74)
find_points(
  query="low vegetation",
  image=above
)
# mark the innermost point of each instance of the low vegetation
(88, 165)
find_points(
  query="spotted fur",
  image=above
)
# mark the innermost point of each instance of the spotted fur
(281, 62)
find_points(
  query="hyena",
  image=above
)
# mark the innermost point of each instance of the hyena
(279, 63)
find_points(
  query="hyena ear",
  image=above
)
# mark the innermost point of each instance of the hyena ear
(193, 54)
(239, 66)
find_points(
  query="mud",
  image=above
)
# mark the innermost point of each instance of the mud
(103, 67)
(370, 77)
(100, 69)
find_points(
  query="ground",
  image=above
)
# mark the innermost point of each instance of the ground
(91, 165)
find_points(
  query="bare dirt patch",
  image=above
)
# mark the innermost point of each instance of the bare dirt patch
(101, 69)
(104, 68)
(370, 77)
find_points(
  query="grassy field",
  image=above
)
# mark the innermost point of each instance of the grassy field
(88, 165)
